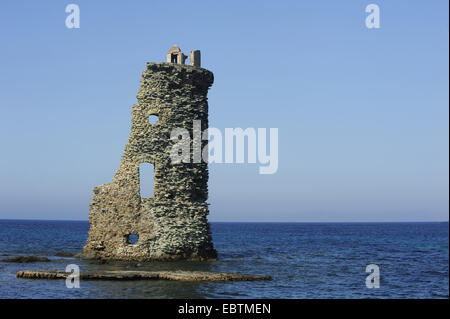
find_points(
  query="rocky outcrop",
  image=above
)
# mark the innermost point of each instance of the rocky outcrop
(141, 275)
(173, 223)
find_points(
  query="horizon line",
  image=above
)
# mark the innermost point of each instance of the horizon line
(223, 221)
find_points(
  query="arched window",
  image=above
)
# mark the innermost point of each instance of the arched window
(152, 119)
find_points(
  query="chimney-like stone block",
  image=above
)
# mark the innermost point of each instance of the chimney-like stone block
(195, 58)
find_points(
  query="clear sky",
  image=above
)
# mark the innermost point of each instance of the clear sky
(362, 113)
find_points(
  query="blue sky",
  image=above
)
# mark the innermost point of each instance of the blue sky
(362, 113)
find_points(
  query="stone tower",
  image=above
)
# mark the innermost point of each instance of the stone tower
(173, 223)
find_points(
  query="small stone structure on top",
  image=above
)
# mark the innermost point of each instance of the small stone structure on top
(176, 56)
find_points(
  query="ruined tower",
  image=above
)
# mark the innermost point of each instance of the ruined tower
(173, 223)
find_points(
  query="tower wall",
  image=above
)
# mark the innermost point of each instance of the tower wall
(173, 224)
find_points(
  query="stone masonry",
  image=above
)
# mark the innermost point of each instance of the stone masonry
(173, 223)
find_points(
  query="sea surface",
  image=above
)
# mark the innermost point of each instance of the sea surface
(306, 260)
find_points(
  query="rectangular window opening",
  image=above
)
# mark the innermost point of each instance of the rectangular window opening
(147, 180)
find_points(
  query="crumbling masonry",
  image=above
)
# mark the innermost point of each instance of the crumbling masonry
(173, 223)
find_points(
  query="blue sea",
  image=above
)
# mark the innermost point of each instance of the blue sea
(306, 260)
